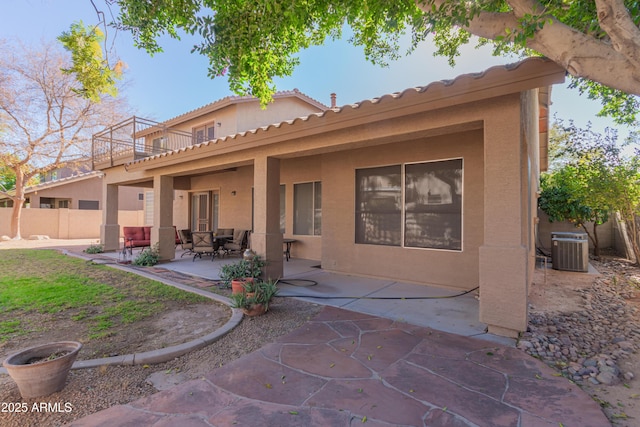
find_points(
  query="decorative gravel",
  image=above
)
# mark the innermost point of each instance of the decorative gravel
(586, 345)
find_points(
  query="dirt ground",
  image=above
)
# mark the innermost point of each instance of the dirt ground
(559, 292)
(178, 324)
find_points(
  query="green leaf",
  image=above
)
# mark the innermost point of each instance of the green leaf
(91, 70)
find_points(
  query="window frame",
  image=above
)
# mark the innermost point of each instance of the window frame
(404, 210)
(316, 211)
(205, 128)
(159, 145)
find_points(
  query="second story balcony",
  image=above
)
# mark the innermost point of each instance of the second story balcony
(133, 139)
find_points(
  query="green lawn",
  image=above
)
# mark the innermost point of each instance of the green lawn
(56, 286)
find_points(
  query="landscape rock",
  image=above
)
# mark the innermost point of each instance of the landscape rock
(586, 344)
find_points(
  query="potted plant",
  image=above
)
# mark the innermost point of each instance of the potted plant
(256, 298)
(42, 369)
(235, 275)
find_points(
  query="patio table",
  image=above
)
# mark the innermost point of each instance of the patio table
(287, 251)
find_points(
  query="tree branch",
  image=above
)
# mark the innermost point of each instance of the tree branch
(580, 54)
(625, 35)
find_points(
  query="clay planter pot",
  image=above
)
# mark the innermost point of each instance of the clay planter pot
(35, 374)
(255, 310)
(237, 285)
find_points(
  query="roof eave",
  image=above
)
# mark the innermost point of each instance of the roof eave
(495, 81)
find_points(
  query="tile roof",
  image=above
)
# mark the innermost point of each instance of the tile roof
(464, 84)
(62, 181)
(235, 99)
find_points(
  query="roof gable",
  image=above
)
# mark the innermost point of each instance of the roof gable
(234, 100)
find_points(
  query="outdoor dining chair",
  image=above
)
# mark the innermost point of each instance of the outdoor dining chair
(186, 242)
(204, 243)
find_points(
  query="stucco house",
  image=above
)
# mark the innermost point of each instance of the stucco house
(83, 191)
(71, 188)
(434, 185)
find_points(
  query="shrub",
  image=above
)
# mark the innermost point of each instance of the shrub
(94, 249)
(241, 269)
(148, 257)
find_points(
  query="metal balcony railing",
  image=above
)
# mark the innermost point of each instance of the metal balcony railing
(133, 139)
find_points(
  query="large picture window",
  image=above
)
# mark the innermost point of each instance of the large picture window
(414, 205)
(307, 207)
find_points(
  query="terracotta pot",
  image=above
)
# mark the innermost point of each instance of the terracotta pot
(237, 285)
(46, 376)
(255, 310)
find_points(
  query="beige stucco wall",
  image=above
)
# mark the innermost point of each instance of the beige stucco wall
(251, 116)
(247, 115)
(63, 223)
(235, 210)
(458, 269)
(337, 174)
(224, 116)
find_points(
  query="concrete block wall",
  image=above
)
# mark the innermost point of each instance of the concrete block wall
(64, 223)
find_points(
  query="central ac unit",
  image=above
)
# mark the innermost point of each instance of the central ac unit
(569, 235)
(570, 254)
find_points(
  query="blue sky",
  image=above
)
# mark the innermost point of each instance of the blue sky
(173, 82)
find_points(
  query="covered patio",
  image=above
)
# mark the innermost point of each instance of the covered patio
(428, 306)
(434, 185)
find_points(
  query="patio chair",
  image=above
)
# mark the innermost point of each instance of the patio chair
(204, 243)
(238, 244)
(186, 242)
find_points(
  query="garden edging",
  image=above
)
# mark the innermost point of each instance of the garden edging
(167, 353)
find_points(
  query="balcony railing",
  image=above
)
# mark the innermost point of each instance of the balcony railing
(133, 139)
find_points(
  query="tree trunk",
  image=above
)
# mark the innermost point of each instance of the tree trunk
(18, 201)
(15, 219)
(633, 231)
(593, 238)
(632, 228)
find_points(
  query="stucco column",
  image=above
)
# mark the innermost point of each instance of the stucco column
(266, 239)
(162, 231)
(503, 256)
(110, 229)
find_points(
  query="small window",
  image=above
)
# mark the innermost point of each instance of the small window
(204, 133)
(63, 204)
(283, 205)
(92, 205)
(47, 203)
(160, 145)
(148, 208)
(141, 196)
(307, 207)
